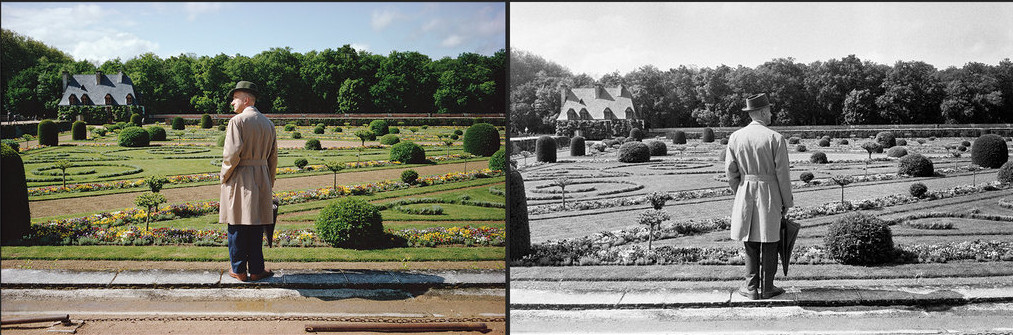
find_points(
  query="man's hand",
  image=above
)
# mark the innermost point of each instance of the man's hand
(784, 211)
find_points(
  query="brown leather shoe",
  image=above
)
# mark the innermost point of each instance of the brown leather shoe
(262, 275)
(776, 291)
(749, 293)
(240, 277)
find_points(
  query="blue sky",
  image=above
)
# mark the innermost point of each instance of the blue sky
(598, 38)
(106, 30)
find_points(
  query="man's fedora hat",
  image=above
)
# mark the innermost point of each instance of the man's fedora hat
(245, 86)
(756, 101)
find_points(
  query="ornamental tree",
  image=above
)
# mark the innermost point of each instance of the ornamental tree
(335, 167)
(562, 182)
(63, 165)
(150, 202)
(652, 218)
(842, 181)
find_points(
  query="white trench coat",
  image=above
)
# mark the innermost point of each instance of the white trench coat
(756, 163)
(249, 165)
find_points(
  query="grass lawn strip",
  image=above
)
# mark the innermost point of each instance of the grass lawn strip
(219, 254)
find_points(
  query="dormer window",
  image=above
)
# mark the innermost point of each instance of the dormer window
(73, 100)
(85, 100)
(109, 99)
(130, 99)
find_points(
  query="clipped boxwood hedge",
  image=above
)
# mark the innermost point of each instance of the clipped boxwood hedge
(17, 218)
(578, 146)
(134, 137)
(156, 133)
(48, 133)
(389, 139)
(408, 152)
(915, 165)
(79, 131)
(498, 160)
(177, 123)
(481, 139)
(205, 121)
(379, 127)
(350, 223)
(634, 152)
(859, 239)
(545, 149)
(678, 137)
(708, 135)
(312, 144)
(989, 151)
(657, 148)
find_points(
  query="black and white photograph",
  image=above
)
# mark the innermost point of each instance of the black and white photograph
(760, 168)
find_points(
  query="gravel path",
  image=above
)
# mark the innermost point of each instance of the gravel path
(47, 208)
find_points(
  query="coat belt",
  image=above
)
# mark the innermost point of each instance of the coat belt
(253, 162)
(760, 177)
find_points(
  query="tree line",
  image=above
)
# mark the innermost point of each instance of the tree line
(330, 81)
(846, 91)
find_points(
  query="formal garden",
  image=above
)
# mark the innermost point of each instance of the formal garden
(882, 204)
(133, 191)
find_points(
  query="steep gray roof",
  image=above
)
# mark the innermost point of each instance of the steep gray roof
(117, 85)
(597, 103)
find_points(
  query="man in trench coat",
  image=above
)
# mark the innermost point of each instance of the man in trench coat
(249, 163)
(756, 163)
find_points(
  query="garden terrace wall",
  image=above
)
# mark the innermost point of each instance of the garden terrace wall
(597, 129)
(420, 119)
(31, 128)
(861, 131)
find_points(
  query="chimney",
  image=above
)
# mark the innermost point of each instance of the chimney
(599, 91)
(98, 77)
(119, 77)
(66, 79)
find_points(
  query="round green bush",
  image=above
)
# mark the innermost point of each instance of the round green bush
(296, 135)
(637, 134)
(17, 218)
(708, 135)
(1005, 173)
(409, 177)
(221, 140)
(793, 140)
(915, 165)
(824, 142)
(961, 148)
(134, 137)
(657, 148)
(350, 223)
(545, 149)
(318, 130)
(967, 143)
(379, 127)
(337, 129)
(724, 140)
(408, 152)
(518, 229)
(843, 142)
(312, 144)
(897, 152)
(634, 152)
(395, 130)
(859, 239)
(801, 148)
(205, 121)
(458, 132)
(806, 177)
(389, 139)
(918, 190)
(48, 133)
(290, 127)
(989, 151)
(156, 133)
(481, 139)
(901, 142)
(578, 146)
(678, 137)
(301, 163)
(177, 123)
(14, 144)
(135, 119)
(818, 158)
(79, 131)
(222, 127)
(886, 139)
(498, 160)
(454, 137)
(122, 125)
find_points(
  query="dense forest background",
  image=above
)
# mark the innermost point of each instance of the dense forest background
(846, 91)
(328, 81)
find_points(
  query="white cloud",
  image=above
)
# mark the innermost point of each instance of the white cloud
(120, 45)
(383, 18)
(452, 41)
(193, 9)
(432, 24)
(360, 47)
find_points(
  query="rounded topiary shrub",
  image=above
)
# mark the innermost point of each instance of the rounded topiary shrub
(708, 135)
(578, 146)
(989, 151)
(518, 227)
(679, 137)
(301, 163)
(897, 152)
(389, 139)
(379, 127)
(79, 131)
(545, 149)
(915, 165)
(296, 135)
(481, 139)
(409, 177)
(290, 127)
(48, 133)
(801, 148)
(1005, 173)
(967, 143)
(859, 239)
(156, 133)
(205, 121)
(408, 152)
(134, 137)
(961, 148)
(793, 140)
(458, 132)
(177, 123)
(637, 134)
(657, 148)
(634, 152)
(724, 140)
(818, 158)
(222, 127)
(918, 190)
(901, 142)
(395, 130)
(498, 160)
(17, 218)
(312, 144)
(843, 142)
(337, 130)
(886, 139)
(318, 130)
(350, 223)
(136, 119)
(806, 177)
(824, 142)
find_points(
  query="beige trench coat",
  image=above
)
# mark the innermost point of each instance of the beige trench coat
(756, 162)
(249, 164)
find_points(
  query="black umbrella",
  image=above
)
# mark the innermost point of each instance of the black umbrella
(789, 232)
(269, 229)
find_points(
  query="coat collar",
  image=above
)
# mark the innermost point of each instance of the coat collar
(251, 109)
(757, 122)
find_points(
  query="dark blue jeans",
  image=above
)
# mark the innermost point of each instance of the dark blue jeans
(245, 252)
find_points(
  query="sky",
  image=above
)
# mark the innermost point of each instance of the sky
(600, 38)
(102, 31)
